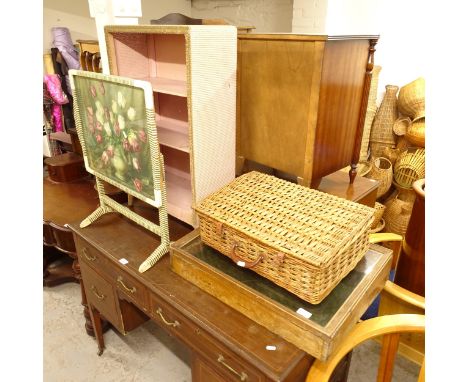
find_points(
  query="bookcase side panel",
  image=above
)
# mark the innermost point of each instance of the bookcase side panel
(212, 107)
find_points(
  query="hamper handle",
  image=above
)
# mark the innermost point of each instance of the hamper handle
(242, 263)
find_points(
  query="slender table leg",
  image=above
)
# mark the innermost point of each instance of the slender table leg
(97, 326)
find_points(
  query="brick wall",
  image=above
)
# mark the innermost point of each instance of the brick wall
(309, 16)
(265, 15)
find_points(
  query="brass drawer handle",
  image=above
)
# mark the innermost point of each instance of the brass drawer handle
(131, 290)
(85, 253)
(96, 293)
(242, 376)
(175, 324)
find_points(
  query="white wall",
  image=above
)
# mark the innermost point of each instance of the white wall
(309, 16)
(265, 15)
(400, 50)
(155, 9)
(74, 14)
(71, 14)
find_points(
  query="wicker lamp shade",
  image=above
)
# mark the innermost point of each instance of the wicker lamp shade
(411, 99)
(381, 170)
(410, 166)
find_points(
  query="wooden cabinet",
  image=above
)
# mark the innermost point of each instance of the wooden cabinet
(192, 70)
(301, 102)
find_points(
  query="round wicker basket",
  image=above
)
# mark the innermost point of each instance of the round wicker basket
(410, 166)
(411, 99)
(381, 170)
(416, 133)
(400, 127)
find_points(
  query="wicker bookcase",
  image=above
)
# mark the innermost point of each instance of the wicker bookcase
(192, 70)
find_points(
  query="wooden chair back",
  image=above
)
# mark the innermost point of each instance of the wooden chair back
(390, 328)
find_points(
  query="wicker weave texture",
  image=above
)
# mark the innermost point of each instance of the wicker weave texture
(307, 240)
(410, 167)
(370, 113)
(213, 63)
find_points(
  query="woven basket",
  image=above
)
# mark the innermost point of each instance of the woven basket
(416, 133)
(370, 113)
(403, 144)
(410, 166)
(302, 239)
(381, 170)
(379, 226)
(411, 99)
(378, 214)
(400, 127)
(382, 126)
(397, 215)
(391, 154)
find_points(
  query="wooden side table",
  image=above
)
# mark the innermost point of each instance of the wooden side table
(64, 203)
(363, 190)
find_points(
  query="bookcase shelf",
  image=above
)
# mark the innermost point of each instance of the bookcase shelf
(192, 71)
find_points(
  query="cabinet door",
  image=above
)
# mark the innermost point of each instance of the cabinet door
(100, 293)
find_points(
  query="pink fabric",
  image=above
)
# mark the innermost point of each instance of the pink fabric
(54, 87)
(57, 117)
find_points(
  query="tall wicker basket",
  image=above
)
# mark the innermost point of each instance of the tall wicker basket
(370, 113)
(382, 127)
(302, 239)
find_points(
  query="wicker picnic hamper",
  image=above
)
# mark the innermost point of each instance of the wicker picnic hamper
(302, 239)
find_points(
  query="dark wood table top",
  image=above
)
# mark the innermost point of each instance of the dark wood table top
(338, 184)
(118, 237)
(68, 202)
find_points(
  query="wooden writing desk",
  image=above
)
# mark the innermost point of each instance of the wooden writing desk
(227, 346)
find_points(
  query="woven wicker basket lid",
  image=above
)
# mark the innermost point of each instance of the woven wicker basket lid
(305, 223)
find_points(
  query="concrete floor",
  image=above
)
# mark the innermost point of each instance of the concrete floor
(145, 354)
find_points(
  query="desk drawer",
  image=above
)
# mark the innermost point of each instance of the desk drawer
(222, 359)
(100, 294)
(89, 255)
(129, 287)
